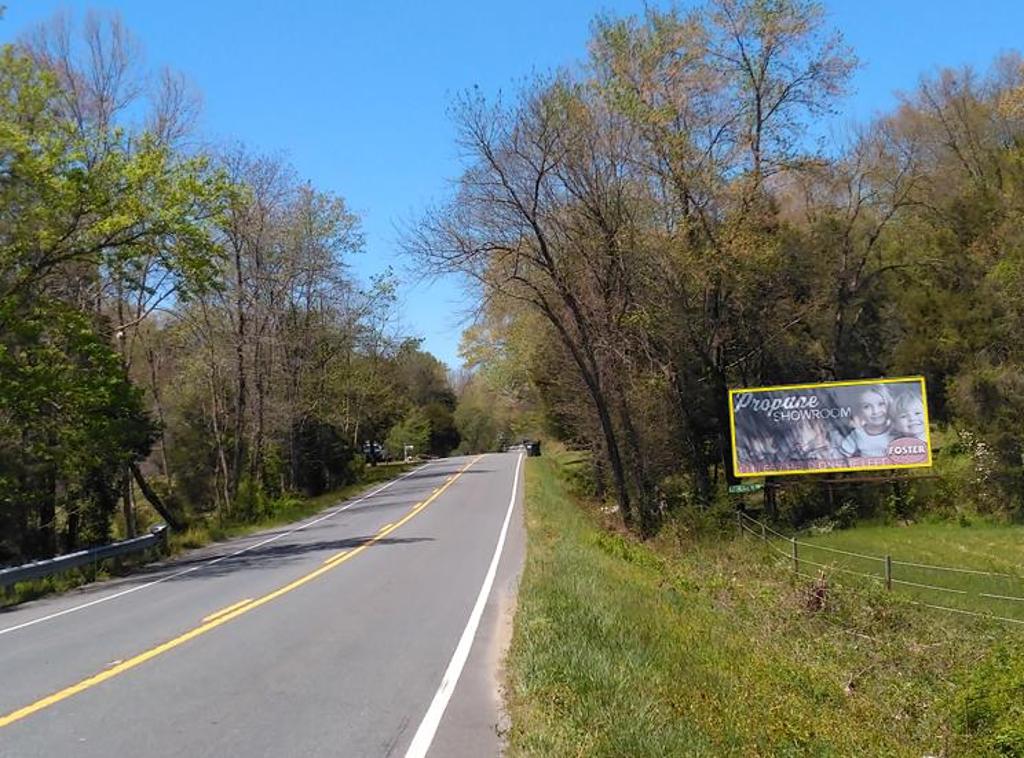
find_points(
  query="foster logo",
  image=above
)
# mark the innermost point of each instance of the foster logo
(907, 450)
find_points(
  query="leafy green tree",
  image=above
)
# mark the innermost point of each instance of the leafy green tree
(71, 422)
(413, 430)
(444, 434)
(478, 429)
(70, 215)
(149, 292)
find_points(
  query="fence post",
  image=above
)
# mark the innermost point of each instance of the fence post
(739, 523)
(764, 534)
(796, 558)
(888, 572)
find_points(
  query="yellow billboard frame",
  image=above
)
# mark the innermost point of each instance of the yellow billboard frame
(848, 383)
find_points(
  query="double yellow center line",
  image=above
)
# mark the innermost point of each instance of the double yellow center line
(227, 614)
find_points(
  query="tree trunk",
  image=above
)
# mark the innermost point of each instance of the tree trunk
(71, 535)
(240, 385)
(611, 444)
(158, 402)
(256, 454)
(583, 356)
(48, 515)
(172, 521)
(690, 431)
(725, 434)
(771, 498)
(648, 514)
(614, 458)
(218, 439)
(128, 504)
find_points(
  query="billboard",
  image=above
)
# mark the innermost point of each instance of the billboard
(836, 426)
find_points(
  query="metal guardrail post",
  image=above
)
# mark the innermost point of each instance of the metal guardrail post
(163, 537)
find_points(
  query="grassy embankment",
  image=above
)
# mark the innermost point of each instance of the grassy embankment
(705, 646)
(202, 532)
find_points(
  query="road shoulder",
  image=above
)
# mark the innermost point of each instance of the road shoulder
(475, 721)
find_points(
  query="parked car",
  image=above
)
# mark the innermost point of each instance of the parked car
(374, 452)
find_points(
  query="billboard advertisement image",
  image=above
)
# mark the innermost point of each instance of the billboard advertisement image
(836, 426)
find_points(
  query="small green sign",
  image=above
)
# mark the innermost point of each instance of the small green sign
(739, 489)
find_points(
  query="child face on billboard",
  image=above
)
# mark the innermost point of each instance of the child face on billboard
(909, 419)
(873, 411)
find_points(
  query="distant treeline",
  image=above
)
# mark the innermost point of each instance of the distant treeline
(662, 223)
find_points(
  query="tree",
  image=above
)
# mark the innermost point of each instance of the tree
(413, 430)
(150, 292)
(631, 209)
(69, 215)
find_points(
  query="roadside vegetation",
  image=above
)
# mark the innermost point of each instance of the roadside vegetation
(675, 215)
(181, 336)
(977, 567)
(700, 643)
(286, 510)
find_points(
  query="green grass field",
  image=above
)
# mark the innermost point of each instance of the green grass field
(976, 568)
(690, 646)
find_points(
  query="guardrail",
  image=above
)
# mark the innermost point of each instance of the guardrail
(157, 538)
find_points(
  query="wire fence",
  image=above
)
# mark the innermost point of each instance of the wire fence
(972, 592)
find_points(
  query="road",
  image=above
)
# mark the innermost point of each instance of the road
(343, 635)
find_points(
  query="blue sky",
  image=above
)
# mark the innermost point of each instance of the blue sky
(355, 94)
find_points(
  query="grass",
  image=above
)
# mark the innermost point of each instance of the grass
(199, 533)
(997, 549)
(692, 646)
(22, 592)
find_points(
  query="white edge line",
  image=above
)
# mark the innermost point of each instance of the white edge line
(428, 727)
(205, 564)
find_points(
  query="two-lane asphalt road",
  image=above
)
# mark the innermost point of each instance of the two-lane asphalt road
(371, 629)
